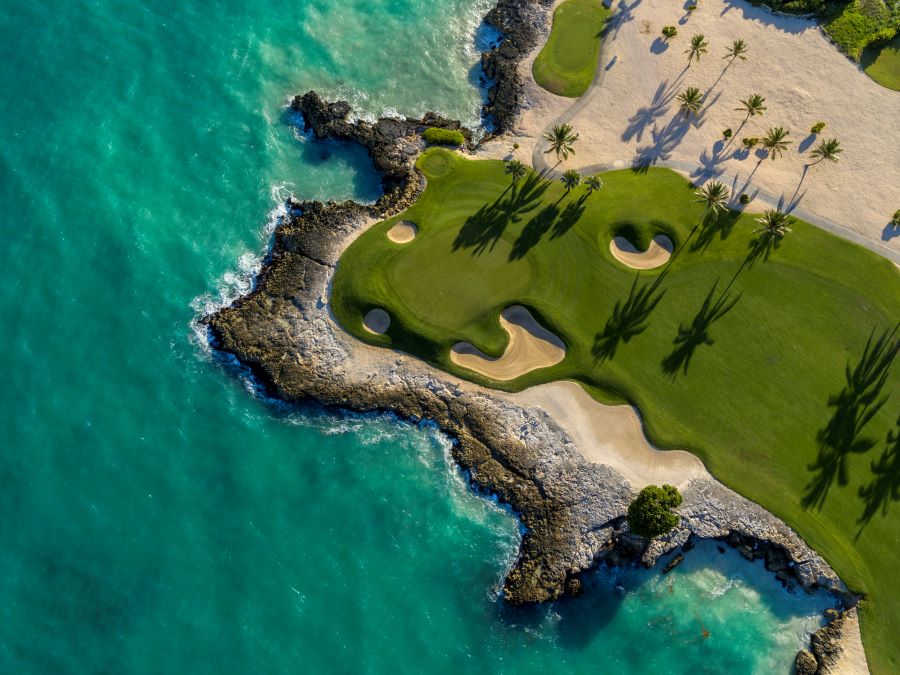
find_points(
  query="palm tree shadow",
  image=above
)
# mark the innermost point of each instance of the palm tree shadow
(691, 337)
(483, 229)
(629, 318)
(721, 226)
(533, 231)
(648, 115)
(885, 485)
(569, 216)
(854, 406)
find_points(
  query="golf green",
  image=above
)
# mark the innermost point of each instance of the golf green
(882, 63)
(568, 61)
(759, 366)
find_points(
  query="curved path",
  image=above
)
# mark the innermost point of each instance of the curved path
(624, 43)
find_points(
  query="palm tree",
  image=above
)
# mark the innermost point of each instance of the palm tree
(737, 50)
(776, 142)
(753, 106)
(561, 139)
(516, 169)
(571, 179)
(829, 149)
(774, 226)
(593, 183)
(715, 195)
(691, 101)
(697, 49)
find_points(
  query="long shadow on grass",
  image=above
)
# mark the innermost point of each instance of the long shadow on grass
(549, 217)
(854, 407)
(695, 334)
(721, 227)
(629, 318)
(481, 230)
(885, 485)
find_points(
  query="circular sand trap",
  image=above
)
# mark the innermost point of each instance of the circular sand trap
(377, 321)
(531, 346)
(402, 232)
(657, 254)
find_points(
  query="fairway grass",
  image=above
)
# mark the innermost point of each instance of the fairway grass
(568, 61)
(882, 63)
(755, 395)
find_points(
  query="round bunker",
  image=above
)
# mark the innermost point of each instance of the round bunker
(377, 321)
(656, 255)
(403, 232)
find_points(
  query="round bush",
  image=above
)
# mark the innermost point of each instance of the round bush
(650, 514)
(896, 219)
(744, 198)
(435, 136)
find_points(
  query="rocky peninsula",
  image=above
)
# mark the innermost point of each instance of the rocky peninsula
(571, 510)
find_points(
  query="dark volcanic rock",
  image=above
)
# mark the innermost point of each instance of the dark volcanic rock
(805, 663)
(523, 25)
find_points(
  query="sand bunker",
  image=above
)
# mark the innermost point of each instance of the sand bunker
(402, 232)
(612, 435)
(656, 255)
(377, 321)
(531, 346)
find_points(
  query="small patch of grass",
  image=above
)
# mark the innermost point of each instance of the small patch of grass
(882, 63)
(567, 63)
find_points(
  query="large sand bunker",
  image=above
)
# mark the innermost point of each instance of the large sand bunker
(377, 321)
(403, 232)
(656, 255)
(612, 435)
(531, 346)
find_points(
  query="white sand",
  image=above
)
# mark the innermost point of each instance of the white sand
(377, 321)
(403, 232)
(531, 346)
(612, 435)
(656, 255)
(852, 660)
(803, 77)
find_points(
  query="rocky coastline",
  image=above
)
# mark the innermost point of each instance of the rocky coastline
(571, 510)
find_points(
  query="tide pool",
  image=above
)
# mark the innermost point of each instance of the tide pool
(158, 516)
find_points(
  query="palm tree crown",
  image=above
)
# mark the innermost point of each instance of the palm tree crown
(698, 47)
(776, 141)
(691, 100)
(773, 225)
(561, 139)
(516, 169)
(737, 50)
(754, 105)
(593, 183)
(571, 179)
(827, 149)
(715, 195)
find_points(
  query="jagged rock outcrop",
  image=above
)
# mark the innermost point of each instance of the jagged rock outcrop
(523, 25)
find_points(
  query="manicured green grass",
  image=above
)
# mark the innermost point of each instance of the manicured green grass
(567, 63)
(754, 397)
(882, 63)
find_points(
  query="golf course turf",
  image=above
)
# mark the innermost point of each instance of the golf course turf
(568, 61)
(759, 383)
(882, 63)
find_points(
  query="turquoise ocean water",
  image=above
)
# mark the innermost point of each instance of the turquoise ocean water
(155, 515)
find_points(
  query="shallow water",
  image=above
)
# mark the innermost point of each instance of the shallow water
(155, 516)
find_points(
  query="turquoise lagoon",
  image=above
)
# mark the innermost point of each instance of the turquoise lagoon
(156, 516)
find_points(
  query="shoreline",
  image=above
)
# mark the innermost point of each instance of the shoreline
(531, 458)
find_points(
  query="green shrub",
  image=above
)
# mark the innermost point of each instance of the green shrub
(817, 128)
(650, 514)
(749, 142)
(515, 146)
(727, 133)
(691, 8)
(895, 221)
(435, 136)
(860, 23)
(744, 199)
(669, 32)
